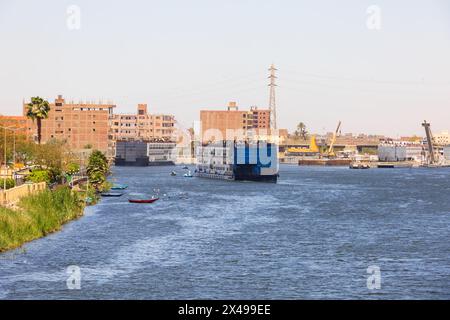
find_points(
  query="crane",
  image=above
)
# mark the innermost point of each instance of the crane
(330, 152)
(429, 135)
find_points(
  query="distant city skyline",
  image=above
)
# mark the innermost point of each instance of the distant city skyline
(183, 56)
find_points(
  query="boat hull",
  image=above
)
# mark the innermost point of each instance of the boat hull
(143, 201)
(112, 194)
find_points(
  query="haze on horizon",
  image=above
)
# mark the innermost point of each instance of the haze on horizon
(184, 56)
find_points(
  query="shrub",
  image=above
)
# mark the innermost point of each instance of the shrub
(37, 176)
(72, 168)
(10, 183)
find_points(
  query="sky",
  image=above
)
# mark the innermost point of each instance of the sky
(379, 72)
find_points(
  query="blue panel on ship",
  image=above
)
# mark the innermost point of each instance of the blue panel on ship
(249, 160)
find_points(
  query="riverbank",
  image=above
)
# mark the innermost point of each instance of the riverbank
(38, 215)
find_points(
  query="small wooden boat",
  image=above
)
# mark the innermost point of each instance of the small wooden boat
(173, 173)
(359, 166)
(185, 168)
(143, 200)
(111, 194)
(119, 187)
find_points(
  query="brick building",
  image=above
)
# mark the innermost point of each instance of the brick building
(254, 121)
(81, 125)
(143, 126)
(19, 123)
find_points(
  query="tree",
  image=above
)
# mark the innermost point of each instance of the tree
(37, 110)
(97, 169)
(54, 157)
(301, 131)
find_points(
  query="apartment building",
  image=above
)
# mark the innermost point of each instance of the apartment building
(217, 122)
(18, 123)
(442, 139)
(82, 125)
(143, 126)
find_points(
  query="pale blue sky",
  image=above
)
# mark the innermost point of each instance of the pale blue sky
(180, 56)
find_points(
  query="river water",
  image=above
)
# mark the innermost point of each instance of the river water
(312, 235)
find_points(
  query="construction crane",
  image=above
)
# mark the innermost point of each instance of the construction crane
(330, 152)
(429, 135)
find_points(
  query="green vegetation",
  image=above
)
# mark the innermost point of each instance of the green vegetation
(37, 176)
(72, 168)
(97, 171)
(53, 163)
(10, 183)
(37, 216)
(369, 151)
(37, 110)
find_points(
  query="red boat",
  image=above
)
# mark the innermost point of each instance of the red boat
(143, 200)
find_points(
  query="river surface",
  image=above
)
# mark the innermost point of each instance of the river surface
(312, 235)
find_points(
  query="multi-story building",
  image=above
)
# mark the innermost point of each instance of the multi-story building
(18, 123)
(142, 126)
(442, 139)
(215, 123)
(81, 125)
(391, 151)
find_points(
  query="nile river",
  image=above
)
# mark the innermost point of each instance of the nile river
(311, 236)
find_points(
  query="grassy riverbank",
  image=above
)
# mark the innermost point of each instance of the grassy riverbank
(37, 216)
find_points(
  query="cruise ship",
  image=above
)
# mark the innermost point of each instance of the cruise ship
(230, 160)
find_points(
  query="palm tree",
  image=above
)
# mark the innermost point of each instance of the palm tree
(37, 110)
(301, 131)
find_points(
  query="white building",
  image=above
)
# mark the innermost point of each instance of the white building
(442, 139)
(161, 153)
(392, 151)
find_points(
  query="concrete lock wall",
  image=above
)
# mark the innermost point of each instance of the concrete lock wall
(392, 153)
(447, 153)
(13, 195)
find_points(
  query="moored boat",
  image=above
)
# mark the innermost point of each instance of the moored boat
(111, 194)
(188, 175)
(119, 186)
(238, 161)
(355, 165)
(143, 200)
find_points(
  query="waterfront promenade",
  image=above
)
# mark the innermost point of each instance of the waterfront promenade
(11, 196)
